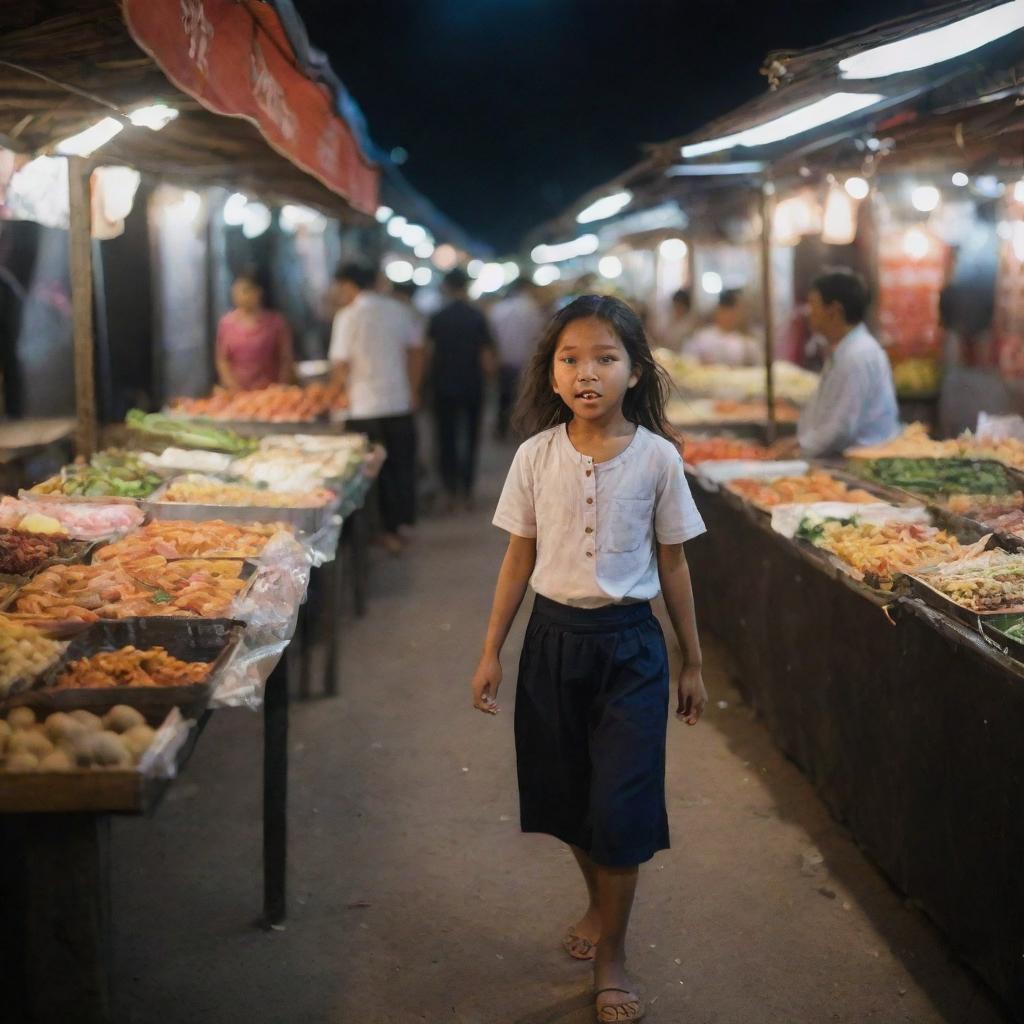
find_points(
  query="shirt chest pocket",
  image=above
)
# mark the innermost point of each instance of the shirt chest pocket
(627, 525)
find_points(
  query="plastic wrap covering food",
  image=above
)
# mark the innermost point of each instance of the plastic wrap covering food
(78, 520)
(186, 460)
(269, 609)
(80, 741)
(787, 519)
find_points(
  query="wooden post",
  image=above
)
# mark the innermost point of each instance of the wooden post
(80, 242)
(767, 208)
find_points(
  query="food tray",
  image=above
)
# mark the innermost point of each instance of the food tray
(305, 520)
(208, 640)
(1014, 476)
(73, 551)
(61, 629)
(993, 627)
(939, 601)
(79, 499)
(94, 790)
(957, 523)
(263, 428)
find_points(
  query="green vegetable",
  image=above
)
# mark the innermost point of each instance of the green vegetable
(190, 433)
(941, 476)
(161, 597)
(108, 474)
(812, 528)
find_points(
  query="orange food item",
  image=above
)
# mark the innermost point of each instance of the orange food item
(86, 593)
(789, 490)
(193, 540)
(279, 403)
(696, 450)
(882, 550)
(129, 666)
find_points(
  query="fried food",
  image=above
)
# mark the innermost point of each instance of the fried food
(130, 666)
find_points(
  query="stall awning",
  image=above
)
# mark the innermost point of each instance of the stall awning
(250, 114)
(236, 60)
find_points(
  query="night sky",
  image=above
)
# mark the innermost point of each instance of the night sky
(510, 109)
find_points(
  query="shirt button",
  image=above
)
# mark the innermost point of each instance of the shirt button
(589, 471)
(590, 554)
(589, 529)
(590, 501)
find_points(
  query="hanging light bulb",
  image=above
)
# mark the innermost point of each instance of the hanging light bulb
(925, 198)
(839, 223)
(916, 244)
(858, 188)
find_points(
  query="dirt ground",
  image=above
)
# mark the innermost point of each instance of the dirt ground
(414, 897)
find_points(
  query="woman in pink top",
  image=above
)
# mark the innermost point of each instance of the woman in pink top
(254, 345)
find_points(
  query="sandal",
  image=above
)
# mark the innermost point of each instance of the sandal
(633, 1009)
(578, 946)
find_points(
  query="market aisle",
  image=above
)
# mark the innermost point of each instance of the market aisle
(414, 897)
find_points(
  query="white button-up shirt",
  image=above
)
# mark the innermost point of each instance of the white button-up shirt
(373, 334)
(596, 523)
(855, 403)
(516, 324)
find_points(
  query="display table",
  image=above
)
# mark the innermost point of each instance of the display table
(56, 864)
(908, 724)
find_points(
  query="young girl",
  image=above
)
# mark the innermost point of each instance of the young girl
(597, 508)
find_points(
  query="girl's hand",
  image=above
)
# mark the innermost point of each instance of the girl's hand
(486, 681)
(693, 697)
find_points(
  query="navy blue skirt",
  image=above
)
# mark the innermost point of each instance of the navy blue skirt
(590, 722)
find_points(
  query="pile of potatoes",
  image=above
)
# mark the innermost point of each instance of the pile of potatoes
(67, 741)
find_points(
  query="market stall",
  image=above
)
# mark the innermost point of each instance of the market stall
(874, 612)
(134, 607)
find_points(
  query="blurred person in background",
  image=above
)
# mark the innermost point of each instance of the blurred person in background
(682, 321)
(724, 341)
(377, 356)
(461, 356)
(516, 323)
(254, 344)
(855, 403)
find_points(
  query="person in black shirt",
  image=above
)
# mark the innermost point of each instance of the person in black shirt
(462, 354)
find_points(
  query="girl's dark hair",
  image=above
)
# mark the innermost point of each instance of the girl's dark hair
(539, 407)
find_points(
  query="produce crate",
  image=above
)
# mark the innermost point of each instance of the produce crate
(90, 790)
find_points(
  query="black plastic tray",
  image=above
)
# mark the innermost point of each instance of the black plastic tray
(208, 640)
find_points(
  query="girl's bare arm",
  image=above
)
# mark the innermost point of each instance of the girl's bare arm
(513, 578)
(677, 590)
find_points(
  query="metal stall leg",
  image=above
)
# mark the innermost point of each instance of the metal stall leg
(332, 621)
(300, 650)
(275, 794)
(360, 542)
(55, 944)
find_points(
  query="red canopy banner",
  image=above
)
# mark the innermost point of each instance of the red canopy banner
(235, 59)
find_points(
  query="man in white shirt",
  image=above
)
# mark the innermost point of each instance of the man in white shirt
(516, 325)
(377, 356)
(855, 403)
(724, 341)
